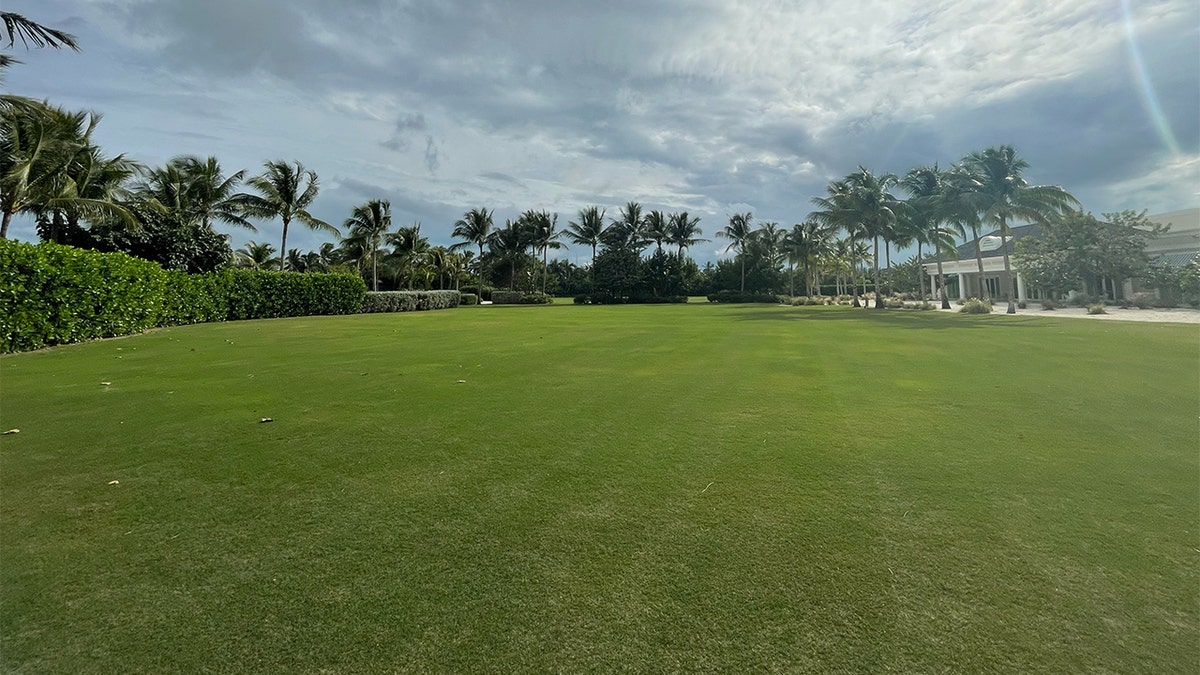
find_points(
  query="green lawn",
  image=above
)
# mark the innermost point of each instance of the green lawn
(667, 488)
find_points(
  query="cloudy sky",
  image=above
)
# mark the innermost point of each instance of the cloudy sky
(710, 106)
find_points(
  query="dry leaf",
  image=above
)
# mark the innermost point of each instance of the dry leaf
(265, 419)
(114, 482)
(12, 431)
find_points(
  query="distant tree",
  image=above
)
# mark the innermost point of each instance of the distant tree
(588, 230)
(370, 223)
(259, 256)
(617, 273)
(286, 191)
(474, 228)
(684, 231)
(739, 233)
(627, 231)
(656, 228)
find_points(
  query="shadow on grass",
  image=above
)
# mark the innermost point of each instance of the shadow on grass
(924, 320)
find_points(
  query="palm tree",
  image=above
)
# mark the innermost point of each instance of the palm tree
(194, 190)
(474, 228)
(806, 243)
(739, 234)
(836, 212)
(409, 252)
(929, 221)
(629, 230)
(684, 231)
(656, 228)
(863, 198)
(543, 237)
(589, 230)
(285, 192)
(256, 256)
(370, 223)
(507, 244)
(998, 192)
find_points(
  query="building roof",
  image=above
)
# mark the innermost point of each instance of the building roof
(966, 251)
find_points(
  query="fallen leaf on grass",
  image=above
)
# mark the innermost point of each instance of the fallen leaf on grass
(265, 419)
(461, 382)
(114, 482)
(12, 431)
(106, 384)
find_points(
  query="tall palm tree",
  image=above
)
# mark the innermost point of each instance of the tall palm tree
(544, 237)
(286, 191)
(410, 250)
(867, 200)
(998, 191)
(838, 213)
(629, 230)
(474, 228)
(507, 244)
(805, 244)
(683, 231)
(739, 233)
(193, 189)
(370, 223)
(588, 230)
(656, 228)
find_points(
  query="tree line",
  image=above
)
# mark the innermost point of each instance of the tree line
(51, 169)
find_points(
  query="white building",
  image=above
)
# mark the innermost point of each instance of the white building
(1178, 246)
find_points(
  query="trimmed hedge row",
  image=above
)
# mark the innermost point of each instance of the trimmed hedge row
(734, 296)
(409, 301)
(520, 298)
(52, 294)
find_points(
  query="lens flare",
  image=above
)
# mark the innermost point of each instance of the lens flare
(1149, 97)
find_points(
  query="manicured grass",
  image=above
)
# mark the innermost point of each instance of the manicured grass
(664, 488)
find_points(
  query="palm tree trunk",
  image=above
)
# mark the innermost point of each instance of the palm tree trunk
(878, 295)
(4, 224)
(1007, 280)
(979, 261)
(743, 254)
(283, 245)
(375, 268)
(942, 279)
(791, 278)
(853, 274)
(920, 272)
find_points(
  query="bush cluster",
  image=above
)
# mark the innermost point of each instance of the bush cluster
(52, 294)
(976, 306)
(484, 295)
(734, 296)
(1096, 309)
(520, 298)
(409, 301)
(468, 299)
(1049, 304)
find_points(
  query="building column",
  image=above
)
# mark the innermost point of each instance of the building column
(962, 286)
(1020, 289)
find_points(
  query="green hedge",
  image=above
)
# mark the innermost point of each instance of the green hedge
(520, 298)
(409, 301)
(734, 296)
(52, 294)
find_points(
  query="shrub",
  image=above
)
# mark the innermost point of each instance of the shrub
(536, 298)
(734, 296)
(195, 298)
(926, 305)
(1048, 303)
(582, 300)
(893, 303)
(468, 299)
(1143, 300)
(976, 306)
(264, 294)
(1097, 308)
(409, 301)
(52, 294)
(507, 297)
(484, 295)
